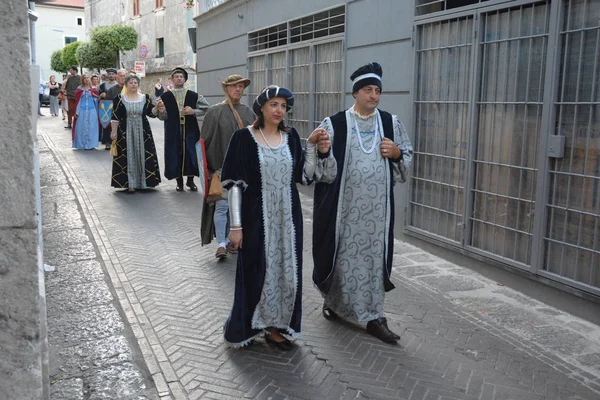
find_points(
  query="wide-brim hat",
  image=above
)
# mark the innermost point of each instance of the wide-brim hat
(270, 92)
(181, 71)
(235, 79)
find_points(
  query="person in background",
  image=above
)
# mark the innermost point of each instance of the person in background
(108, 91)
(41, 96)
(64, 104)
(54, 88)
(136, 165)
(73, 82)
(220, 121)
(181, 130)
(95, 81)
(85, 123)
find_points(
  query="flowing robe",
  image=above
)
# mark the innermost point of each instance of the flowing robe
(134, 135)
(268, 283)
(354, 217)
(85, 126)
(182, 132)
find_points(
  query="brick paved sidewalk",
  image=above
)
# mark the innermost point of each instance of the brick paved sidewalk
(463, 336)
(93, 354)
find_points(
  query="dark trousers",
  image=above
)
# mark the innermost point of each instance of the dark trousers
(71, 113)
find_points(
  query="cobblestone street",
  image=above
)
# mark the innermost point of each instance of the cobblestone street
(464, 336)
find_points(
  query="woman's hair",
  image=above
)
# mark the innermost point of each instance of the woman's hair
(130, 77)
(51, 76)
(84, 76)
(260, 123)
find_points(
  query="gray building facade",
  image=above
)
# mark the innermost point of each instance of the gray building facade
(502, 101)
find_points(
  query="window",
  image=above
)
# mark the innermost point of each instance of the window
(159, 4)
(312, 72)
(429, 6)
(79, 21)
(70, 39)
(160, 47)
(322, 24)
(136, 8)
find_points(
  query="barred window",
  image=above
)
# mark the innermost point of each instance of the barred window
(322, 24)
(313, 72)
(430, 6)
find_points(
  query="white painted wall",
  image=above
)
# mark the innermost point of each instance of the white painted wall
(51, 28)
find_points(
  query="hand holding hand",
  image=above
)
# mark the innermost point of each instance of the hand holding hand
(102, 95)
(316, 135)
(389, 149)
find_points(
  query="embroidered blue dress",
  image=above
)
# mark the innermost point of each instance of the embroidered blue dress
(268, 286)
(86, 129)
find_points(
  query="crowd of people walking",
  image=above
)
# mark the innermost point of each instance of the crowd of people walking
(255, 160)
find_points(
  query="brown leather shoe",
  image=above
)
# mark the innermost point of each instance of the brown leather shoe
(379, 329)
(221, 253)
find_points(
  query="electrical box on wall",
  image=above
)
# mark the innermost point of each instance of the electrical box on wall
(556, 146)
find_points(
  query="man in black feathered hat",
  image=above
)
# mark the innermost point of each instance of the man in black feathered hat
(353, 228)
(182, 106)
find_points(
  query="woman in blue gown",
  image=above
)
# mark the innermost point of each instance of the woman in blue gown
(85, 126)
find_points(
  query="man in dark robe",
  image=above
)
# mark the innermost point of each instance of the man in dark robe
(183, 107)
(220, 122)
(353, 228)
(71, 86)
(103, 91)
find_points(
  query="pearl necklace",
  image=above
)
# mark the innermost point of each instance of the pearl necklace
(360, 141)
(267, 143)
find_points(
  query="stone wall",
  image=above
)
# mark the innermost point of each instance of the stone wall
(23, 344)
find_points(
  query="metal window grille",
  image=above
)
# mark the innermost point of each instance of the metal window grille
(572, 237)
(442, 100)
(300, 83)
(423, 7)
(320, 25)
(328, 86)
(257, 68)
(510, 110)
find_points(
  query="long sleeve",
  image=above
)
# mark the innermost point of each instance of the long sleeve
(326, 164)
(201, 106)
(406, 150)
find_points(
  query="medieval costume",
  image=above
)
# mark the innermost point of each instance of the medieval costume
(219, 124)
(85, 123)
(136, 165)
(181, 131)
(353, 231)
(104, 88)
(268, 284)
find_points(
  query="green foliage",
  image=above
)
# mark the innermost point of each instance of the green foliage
(68, 54)
(56, 62)
(90, 55)
(115, 38)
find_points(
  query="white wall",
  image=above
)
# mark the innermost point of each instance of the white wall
(51, 28)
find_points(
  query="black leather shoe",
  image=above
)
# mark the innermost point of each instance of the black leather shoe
(329, 314)
(192, 186)
(179, 187)
(379, 329)
(285, 345)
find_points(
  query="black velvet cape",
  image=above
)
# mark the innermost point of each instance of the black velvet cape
(325, 209)
(119, 177)
(242, 167)
(180, 139)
